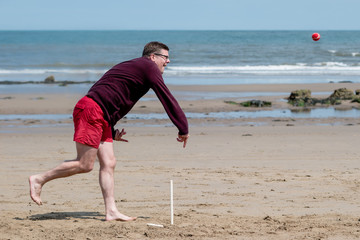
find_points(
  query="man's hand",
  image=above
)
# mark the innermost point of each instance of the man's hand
(118, 135)
(183, 138)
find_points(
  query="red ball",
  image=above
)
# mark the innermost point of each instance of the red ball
(316, 37)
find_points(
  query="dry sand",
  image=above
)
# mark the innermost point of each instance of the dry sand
(285, 179)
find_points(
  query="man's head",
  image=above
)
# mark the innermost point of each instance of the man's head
(158, 53)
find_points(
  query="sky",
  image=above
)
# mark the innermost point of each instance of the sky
(179, 15)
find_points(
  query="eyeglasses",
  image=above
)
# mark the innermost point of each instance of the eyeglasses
(161, 55)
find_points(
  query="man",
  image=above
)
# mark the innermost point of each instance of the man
(96, 114)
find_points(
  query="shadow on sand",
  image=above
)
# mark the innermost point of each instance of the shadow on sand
(66, 216)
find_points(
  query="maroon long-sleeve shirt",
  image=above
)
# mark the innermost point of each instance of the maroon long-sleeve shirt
(123, 85)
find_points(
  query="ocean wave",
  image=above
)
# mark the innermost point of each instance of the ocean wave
(73, 66)
(51, 71)
(299, 69)
(332, 64)
(344, 54)
(296, 69)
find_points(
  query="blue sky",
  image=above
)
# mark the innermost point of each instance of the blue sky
(180, 15)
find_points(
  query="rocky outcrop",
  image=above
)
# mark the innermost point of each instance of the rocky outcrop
(251, 103)
(342, 94)
(302, 98)
(50, 79)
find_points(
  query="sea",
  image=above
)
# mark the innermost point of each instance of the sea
(197, 57)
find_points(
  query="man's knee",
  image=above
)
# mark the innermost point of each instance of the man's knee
(85, 168)
(109, 163)
(86, 157)
(86, 164)
(112, 163)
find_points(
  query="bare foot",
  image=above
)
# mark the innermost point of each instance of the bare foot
(126, 220)
(35, 190)
(119, 217)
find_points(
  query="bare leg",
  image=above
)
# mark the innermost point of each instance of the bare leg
(106, 178)
(84, 162)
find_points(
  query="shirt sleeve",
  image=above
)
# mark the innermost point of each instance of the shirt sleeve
(171, 106)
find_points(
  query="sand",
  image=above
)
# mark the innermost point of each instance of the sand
(236, 179)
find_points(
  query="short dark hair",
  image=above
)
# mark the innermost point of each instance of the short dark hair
(154, 47)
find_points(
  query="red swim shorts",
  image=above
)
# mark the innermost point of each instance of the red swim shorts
(90, 126)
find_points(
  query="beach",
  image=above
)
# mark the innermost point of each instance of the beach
(238, 178)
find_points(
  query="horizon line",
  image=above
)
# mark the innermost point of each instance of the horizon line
(179, 29)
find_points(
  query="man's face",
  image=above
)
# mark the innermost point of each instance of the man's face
(161, 59)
